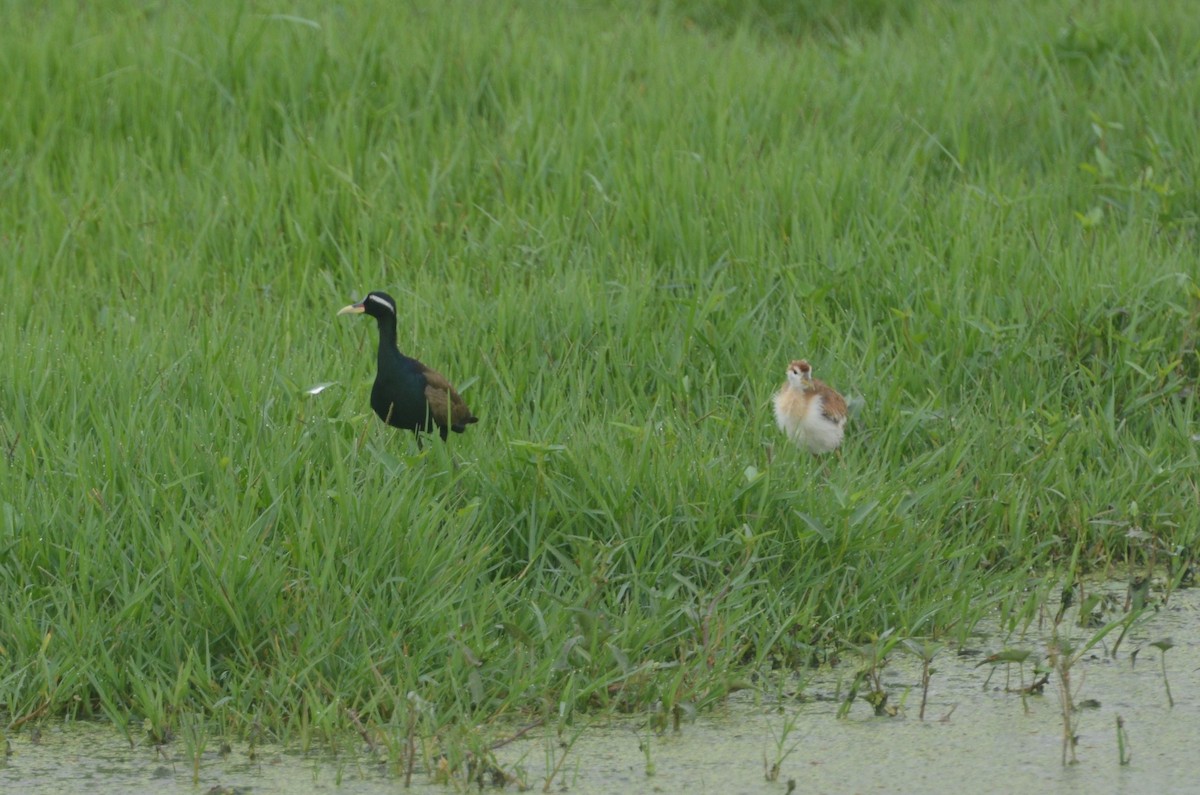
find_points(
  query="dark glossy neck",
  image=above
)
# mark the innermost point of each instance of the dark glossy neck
(387, 335)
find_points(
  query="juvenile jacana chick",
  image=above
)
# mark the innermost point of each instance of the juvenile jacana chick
(407, 394)
(810, 412)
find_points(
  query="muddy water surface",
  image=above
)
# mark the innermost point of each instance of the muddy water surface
(975, 738)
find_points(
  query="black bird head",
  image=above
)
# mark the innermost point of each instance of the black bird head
(378, 305)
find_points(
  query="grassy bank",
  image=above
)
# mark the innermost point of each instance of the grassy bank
(611, 227)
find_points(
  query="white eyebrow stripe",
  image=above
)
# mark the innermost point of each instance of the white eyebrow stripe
(383, 301)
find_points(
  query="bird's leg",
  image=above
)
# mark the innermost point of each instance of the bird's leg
(825, 463)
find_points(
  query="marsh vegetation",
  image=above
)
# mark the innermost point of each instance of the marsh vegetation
(615, 224)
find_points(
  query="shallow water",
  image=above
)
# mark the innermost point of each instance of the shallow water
(974, 738)
(94, 758)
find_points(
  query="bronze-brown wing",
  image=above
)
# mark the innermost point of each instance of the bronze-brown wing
(833, 405)
(445, 402)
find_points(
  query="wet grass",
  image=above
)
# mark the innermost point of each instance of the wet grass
(612, 228)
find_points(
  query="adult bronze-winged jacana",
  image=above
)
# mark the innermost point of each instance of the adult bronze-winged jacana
(407, 394)
(810, 412)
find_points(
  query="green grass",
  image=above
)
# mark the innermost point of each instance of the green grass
(612, 225)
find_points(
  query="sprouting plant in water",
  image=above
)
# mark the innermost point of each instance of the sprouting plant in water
(1164, 645)
(1065, 600)
(195, 738)
(874, 656)
(1137, 601)
(410, 743)
(563, 740)
(1123, 755)
(659, 717)
(646, 746)
(1018, 657)
(1062, 657)
(151, 702)
(925, 651)
(420, 715)
(782, 749)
